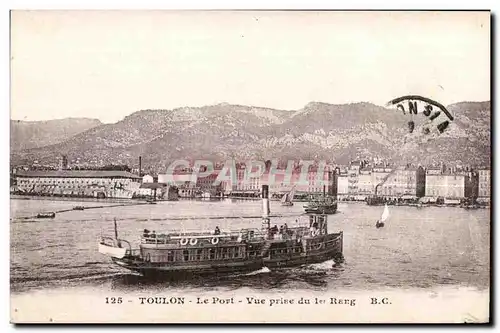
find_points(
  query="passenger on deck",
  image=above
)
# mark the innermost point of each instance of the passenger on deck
(217, 230)
(287, 231)
(281, 229)
(153, 235)
(145, 233)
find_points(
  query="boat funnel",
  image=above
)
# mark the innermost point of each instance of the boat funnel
(265, 201)
(266, 222)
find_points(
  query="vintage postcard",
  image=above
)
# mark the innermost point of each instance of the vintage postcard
(250, 167)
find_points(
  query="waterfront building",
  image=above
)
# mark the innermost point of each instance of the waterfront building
(158, 191)
(317, 181)
(150, 190)
(380, 173)
(343, 184)
(353, 180)
(279, 183)
(147, 179)
(447, 184)
(78, 183)
(191, 185)
(247, 185)
(365, 182)
(178, 178)
(227, 187)
(207, 185)
(63, 162)
(484, 184)
(183, 180)
(406, 182)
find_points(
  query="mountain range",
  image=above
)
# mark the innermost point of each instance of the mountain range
(35, 134)
(320, 131)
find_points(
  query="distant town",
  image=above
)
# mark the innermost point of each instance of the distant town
(361, 180)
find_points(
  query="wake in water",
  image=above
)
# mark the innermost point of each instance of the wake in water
(259, 271)
(322, 266)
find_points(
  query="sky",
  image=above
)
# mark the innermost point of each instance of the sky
(109, 64)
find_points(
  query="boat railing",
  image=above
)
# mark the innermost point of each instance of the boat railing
(172, 237)
(177, 234)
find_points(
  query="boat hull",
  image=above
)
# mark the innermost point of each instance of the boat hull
(163, 271)
(321, 210)
(330, 247)
(296, 261)
(112, 251)
(46, 215)
(166, 270)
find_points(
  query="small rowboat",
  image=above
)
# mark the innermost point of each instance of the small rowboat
(49, 215)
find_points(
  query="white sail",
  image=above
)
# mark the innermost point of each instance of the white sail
(284, 198)
(291, 194)
(385, 214)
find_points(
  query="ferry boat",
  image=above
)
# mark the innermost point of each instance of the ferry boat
(324, 205)
(177, 254)
(375, 200)
(320, 208)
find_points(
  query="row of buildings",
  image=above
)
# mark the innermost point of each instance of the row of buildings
(246, 183)
(77, 183)
(357, 181)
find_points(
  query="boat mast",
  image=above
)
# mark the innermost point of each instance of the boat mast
(266, 222)
(116, 229)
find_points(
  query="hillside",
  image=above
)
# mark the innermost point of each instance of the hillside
(34, 134)
(318, 131)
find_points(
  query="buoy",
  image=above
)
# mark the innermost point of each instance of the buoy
(184, 241)
(193, 241)
(215, 240)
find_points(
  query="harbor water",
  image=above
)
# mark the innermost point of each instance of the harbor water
(419, 249)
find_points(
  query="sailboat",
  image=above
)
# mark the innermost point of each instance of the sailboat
(287, 199)
(383, 218)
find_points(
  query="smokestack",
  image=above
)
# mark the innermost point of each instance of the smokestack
(265, 201)
(140, 165)
(332, 175)
(266, 221)
(324, 190)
